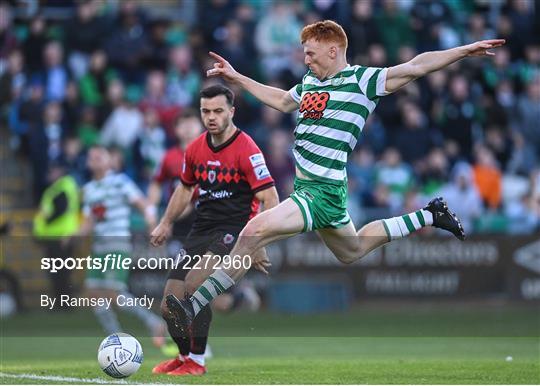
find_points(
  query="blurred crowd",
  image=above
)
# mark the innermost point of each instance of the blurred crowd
(120, 73)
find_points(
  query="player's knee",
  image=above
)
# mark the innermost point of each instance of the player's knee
(351, 255)
(346, 258)
(255, 228)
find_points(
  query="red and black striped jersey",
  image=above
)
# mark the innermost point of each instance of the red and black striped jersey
(228, 176)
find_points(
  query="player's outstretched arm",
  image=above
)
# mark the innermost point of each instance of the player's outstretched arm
(398, 76)
(178, 203)
(271, 96)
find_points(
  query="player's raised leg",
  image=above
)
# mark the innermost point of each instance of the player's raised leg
(349, 245)
(282, 221)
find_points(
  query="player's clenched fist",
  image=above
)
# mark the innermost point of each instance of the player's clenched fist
(160, 234)
(222, 68)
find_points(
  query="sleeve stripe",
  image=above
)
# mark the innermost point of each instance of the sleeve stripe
(365, 79)
(381, 83)
(295, 95)
(372, 85)
(263, 187)
(184, 182)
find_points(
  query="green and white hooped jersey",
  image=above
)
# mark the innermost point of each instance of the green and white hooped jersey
(108, 202)
(331, 116)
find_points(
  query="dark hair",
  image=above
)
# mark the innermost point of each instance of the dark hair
(218, 89)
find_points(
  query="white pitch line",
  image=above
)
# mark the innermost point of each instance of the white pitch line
(67, 379)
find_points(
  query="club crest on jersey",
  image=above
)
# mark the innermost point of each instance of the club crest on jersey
(337, 81)
(313, 104)
(211, 176)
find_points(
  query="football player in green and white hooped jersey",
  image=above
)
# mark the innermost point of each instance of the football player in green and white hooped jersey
(107, 202)
(334, 101)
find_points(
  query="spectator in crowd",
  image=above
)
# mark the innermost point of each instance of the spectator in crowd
(55, 75)
(529, 68)
(93, 84)
(270, 120)
(499, 142)
(74, 159)
(149, 147)
(528, 116)
(523, 213)
(458, 113)
(435, 89)
(56, 221)
(524, 157)
(394, 28)
(498, 69)
(477, 29)
(28, 116)
(233, 47)
(34, 45)
(487, 177)
(87, 129)
(71, 107)
(522, 19)
(396, 175)
(187, 127)
(156, 98)
(46, 145)
(84, 36)
(363, 28)
(126, 45)
(433, 173)
(183, 82)
(13, 80)
(362, 174)
(331, 10)
(217, 13)
(279, 162)
(124, 125)
(461, 193)
(115, 97)
(413, 140)
(8, 41)
(276, 37)
(246, 15)
(427, 19)
(158, 47)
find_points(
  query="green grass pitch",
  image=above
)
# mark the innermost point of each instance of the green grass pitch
(442, 344)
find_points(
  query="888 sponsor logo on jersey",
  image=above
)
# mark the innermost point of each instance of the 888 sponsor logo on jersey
(313, 104)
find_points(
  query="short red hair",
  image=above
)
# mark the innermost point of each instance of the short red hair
(325, 31)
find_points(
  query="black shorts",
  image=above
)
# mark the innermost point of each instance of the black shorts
(218, 242)
(181, 228)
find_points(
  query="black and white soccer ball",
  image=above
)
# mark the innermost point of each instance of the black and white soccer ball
(120, 355)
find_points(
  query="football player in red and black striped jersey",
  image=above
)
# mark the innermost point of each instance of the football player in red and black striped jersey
(230, 174)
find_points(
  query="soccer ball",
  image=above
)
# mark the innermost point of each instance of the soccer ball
(120, 355)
